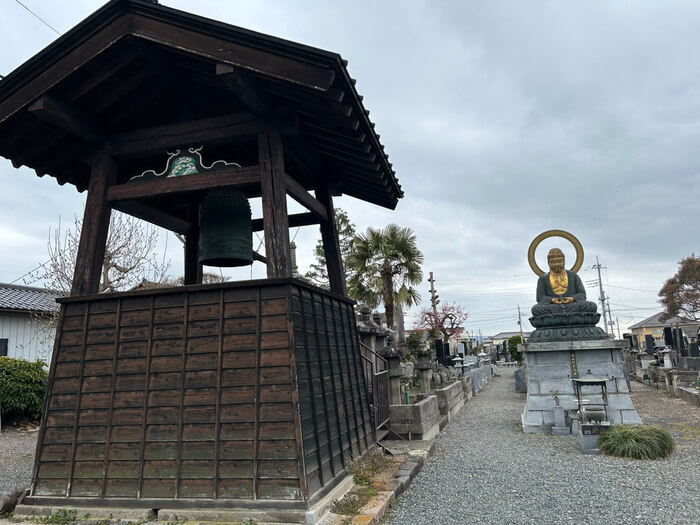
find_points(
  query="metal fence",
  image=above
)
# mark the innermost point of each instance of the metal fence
(377, 376)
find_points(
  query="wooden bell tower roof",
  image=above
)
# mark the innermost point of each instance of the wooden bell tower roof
(136, 79)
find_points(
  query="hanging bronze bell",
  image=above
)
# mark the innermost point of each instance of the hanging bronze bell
(225, 229)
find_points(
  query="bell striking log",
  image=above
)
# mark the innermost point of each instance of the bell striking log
(225, 229)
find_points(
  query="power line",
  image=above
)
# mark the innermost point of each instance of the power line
(42, 20)
(630, 289)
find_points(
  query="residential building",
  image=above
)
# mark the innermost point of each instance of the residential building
(504, 336)
(26, 327)
(655, 327)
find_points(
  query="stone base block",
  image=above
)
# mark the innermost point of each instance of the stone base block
(450, 399)
(689, 394)
(418, 421)
(94, 513)
(467, 387)
(550, 367)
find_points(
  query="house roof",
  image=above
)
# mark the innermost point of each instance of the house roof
(15, 297)
(654, 322)
(506, 335)
(134, 66)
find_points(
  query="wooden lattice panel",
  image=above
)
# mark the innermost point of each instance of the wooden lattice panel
(219, 393)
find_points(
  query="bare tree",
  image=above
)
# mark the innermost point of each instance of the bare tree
(130, 256)
(130, 260)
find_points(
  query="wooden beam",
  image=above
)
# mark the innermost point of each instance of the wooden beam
(65, 66)
(153, 215)
(140, 48)
(299, 194)
(295, 220)
(190, 133)
(326, 126)
(245, 89)
(348, 158)
(259, 257)
(193, 270)
(225, 177)
(310, 98)
(229, 52)
(67, 118)
(359, 148)
(130, 87)
(331, 244)
(93, 237)
(274, 205)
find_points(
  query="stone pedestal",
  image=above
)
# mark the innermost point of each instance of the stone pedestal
(550, 367)
(425, 372)
(395, 374)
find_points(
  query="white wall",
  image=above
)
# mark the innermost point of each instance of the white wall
(26, 339)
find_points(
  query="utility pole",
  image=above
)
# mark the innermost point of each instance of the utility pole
(617, 322)
(520, 323)
(610, 319)
(433, 296)
(602, 295)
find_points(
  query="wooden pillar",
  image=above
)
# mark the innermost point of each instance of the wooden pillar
(193, 270)
(93, 237)
(274, 205)
(331, 244)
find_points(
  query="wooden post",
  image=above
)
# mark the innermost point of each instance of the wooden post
(93, 237)
(331, 244)
(193, 270)
(274, 205)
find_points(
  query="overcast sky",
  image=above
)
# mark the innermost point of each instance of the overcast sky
(502, 120)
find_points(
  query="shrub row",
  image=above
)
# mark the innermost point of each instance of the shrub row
(22, 387)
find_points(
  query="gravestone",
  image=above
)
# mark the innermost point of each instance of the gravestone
(471, 360)
(410, 369)
(520, 380)
(649, 344)
(694, 350)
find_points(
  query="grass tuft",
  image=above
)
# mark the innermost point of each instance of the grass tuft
(636, 442)
(60, 517)
(352, 503)
(368, 466)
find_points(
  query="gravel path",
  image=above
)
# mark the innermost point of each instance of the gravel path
(485, 470)
(17, 447)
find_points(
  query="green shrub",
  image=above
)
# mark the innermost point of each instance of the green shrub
(513, 343)
(22, 387)
(636, 442)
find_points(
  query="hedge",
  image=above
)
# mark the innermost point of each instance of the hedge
(22, 387)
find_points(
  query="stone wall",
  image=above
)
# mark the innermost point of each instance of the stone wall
(689, 363)
(418, 421)
(450, 399)
(479, 376)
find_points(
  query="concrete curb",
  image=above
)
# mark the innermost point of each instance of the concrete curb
(377, 507)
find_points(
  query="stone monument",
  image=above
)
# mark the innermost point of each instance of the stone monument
(566, 340)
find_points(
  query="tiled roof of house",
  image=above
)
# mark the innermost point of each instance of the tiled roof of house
(16, 297)
(654, 321)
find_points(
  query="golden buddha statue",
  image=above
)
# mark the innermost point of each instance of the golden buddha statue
(560, 290)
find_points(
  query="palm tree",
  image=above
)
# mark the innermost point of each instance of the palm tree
(383, 266)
